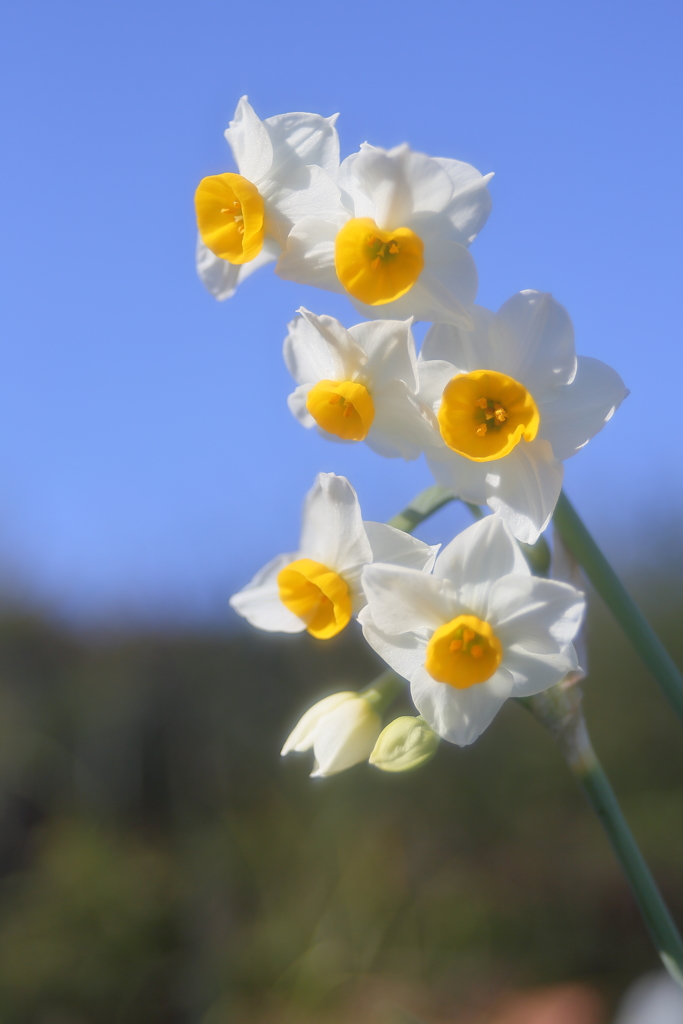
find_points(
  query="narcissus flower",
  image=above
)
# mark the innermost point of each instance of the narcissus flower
(512, 400)
(358, 385)
(318, 587)
(286, 166)
(479, 630)
(340, 729)
(398, 244)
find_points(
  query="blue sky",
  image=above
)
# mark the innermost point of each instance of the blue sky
(148, 462)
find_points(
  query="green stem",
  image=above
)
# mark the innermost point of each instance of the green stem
(424, 505)
(616, 597)
(383, 690)
(560, 710)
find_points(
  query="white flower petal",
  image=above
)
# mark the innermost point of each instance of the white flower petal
(390, 350)
(524, 487)
(459, 716)
(576, 412)
(467, 479)
(407, 600)
(481, 348)
(259, 602)
(222, 278)
(299, 138)
(302, 735)
(404, 653)
(309, 255)
(297, 406)
(250, 142)
(537, 615)
(396, 547)
(402, 425)
(433, 376)
(476, 558)
(345, 736)
(470, 206)
(289, 200)
(332, 529)
(533, 673)
(319, 348)
(400, 183)
(544, 353)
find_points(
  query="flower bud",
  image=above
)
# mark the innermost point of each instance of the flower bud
(405, 743)
(341, 729)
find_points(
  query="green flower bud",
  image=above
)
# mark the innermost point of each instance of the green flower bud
(404, 744)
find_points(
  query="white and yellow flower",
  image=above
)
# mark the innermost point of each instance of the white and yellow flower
(479, 630)
(398, 244)
(358, 384)
(511, 401)
(341, 730)
(286, 169)
(318, 588)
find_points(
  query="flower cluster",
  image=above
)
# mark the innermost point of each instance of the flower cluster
(495, 401)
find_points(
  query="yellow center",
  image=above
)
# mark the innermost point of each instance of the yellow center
(484, 414)
(342, 408)
(377, 266)
(464, 652)
(230, 217)
(319, 597)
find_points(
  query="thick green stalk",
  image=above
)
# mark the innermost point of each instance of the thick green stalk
(559, 709)
(620, 603)
(383, 690)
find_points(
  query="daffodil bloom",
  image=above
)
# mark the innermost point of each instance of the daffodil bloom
(286, 166)
(479, 630)
(358, 385)
(511, 401)
(341, 729)
(318, 588)
(397, 244)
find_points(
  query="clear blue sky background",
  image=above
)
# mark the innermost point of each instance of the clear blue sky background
(148, 462)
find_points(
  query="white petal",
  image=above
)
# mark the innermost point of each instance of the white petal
(536, 615)
(465, 478)
(524, 487)
(346, 736)
(309, 255)
(459, 716)
(222, 278)
(402, 425)
(404, 652)
(259, 602)
(578, 411)
(303, 139)
(476, 558)
(566, 569)
(302, 735)
(400, 183)
(470, 206)
(390, 350)
(297, 406)
(396, 547)
(433, 376)
(544, 353)
(533, 673)
(477, 349)
(332, 529)
(319, 348)
(250, 143)
(406, 600)
(306, 190)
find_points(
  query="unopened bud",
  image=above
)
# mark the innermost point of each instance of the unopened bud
(404, 744)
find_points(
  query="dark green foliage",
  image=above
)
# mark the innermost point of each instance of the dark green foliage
(161, 863)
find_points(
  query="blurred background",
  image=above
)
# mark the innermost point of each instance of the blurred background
(159, 863)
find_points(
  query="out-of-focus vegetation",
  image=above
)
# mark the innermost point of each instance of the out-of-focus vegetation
(160, 862)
